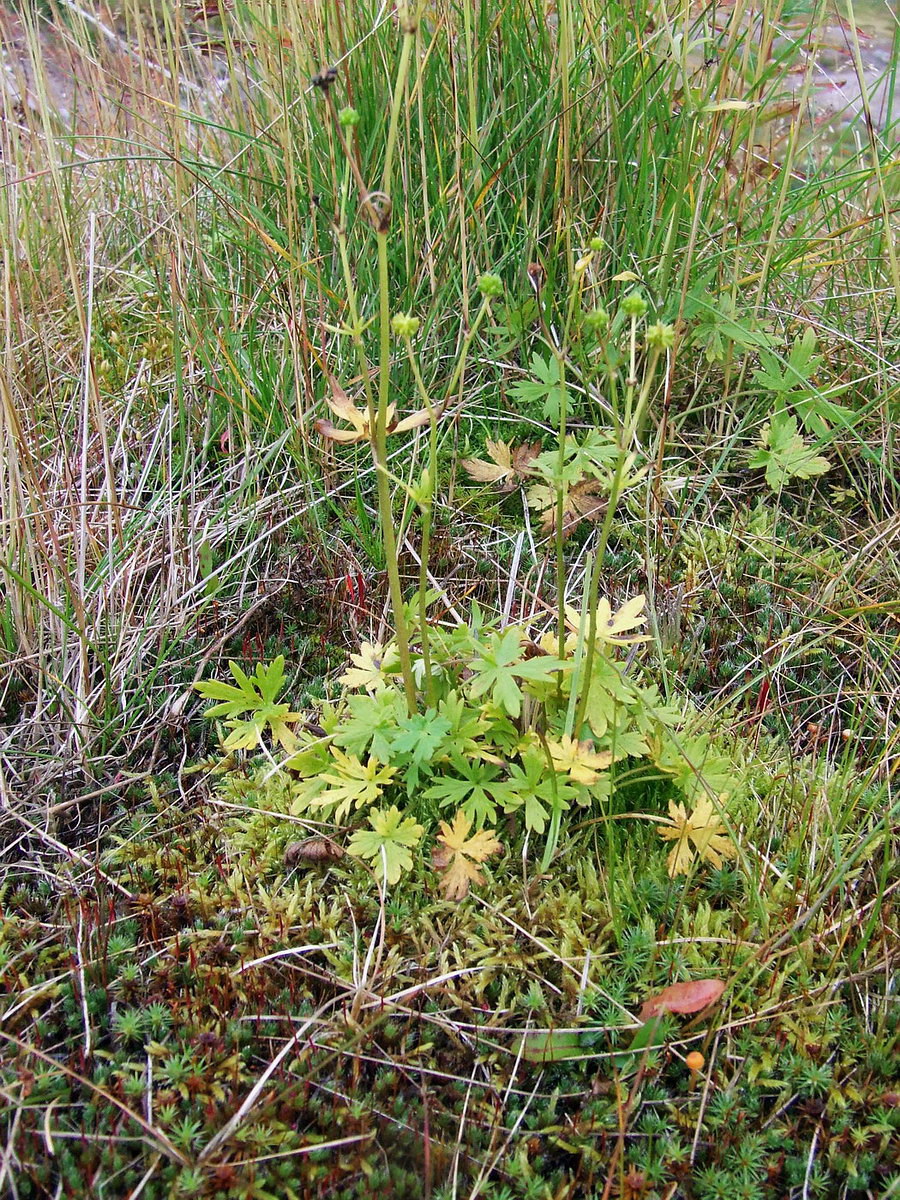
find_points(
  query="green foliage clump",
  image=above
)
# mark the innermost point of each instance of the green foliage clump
(499, 739)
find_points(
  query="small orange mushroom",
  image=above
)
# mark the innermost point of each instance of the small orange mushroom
(694, 1063)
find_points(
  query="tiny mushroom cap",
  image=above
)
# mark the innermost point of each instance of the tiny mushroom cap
(695, 1061)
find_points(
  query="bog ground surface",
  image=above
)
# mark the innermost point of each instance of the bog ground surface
(449, 614)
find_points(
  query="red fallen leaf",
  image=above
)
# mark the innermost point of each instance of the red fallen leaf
(688, 997)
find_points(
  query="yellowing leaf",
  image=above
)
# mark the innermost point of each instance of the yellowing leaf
(508, 465)
(458, 855)
(351, 783)
(728, 106)
(614, 629)
(370, 667)
(578, 759)
(414, 421)
(358, 419)
(344, 408)
(701, 834)
(549, 643)
(388, 843)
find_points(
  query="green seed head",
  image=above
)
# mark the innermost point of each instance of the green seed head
(661, 337)
(596, 244)
(634, 305)
(597, 320)
(348, 117)
(404, 325)
(490, 286)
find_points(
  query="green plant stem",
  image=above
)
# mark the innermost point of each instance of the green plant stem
(427, 503)
(630, 420)
(409, 24)
(883, 200)
(460, 365)
(555, 825)
(560, 355)
(379, 458)
(471, 100)
(381, 221)
(564, 52)
(561, 511)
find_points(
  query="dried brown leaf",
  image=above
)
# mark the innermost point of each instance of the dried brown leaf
(314, 849)
(583, 502)
(508, 465)
(458, 855)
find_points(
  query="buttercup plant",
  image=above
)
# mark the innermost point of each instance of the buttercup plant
(483, 720)
(478, 720)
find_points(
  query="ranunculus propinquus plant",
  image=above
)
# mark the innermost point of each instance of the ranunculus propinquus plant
(459, 728)
(497, 744)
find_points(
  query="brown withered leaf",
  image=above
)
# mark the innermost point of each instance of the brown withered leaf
(358, 419)
(508, 465)
(459, 855)
(583, 502)
(313, 849)
(344, 408)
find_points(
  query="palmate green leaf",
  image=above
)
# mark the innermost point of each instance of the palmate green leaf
(478, 788)
(608, 692)
(533, 790)
(247, 734)
(791, 382)
(255, 695)
(373, 723)
(557, 476)
(388, 843)
(625, 743)
(548, 391)
(785, 454)
(695, 767)
(417, 742)
(466, 725)
(721, 326)
(511, 332)
(651, 711)
(253, 691)
(499, 732)
(802, 363)
(499, 666)
(819, 414)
